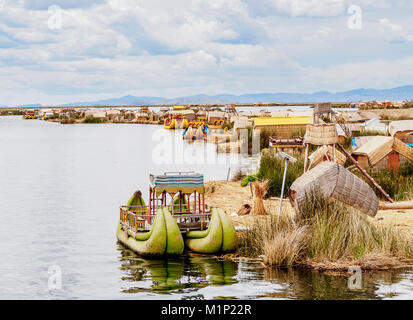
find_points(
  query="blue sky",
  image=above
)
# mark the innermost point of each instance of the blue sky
(109, 48)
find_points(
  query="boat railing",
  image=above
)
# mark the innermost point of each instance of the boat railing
(138, 218)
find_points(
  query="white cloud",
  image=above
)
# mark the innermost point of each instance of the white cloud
(374, 74)
(394, 32)
(115, 47)
(311, 8)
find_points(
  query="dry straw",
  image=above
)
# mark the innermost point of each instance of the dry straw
(260, 190)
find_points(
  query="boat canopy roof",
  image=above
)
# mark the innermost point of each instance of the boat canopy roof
(173, 182)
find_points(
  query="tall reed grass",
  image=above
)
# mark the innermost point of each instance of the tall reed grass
(398, 185)
(323, 231)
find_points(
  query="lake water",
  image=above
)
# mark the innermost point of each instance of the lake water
(60, 190)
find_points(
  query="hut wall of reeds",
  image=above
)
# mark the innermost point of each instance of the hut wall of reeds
(286, 127)
(331, 180)
(321, 134)
(322, 108)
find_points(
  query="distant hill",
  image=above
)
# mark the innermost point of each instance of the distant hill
(399, 93)
(122, 101)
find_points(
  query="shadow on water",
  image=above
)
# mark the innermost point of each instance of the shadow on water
(193, 276)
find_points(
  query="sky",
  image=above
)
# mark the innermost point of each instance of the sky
(54, 52)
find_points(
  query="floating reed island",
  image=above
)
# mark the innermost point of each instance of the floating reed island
(343, 201)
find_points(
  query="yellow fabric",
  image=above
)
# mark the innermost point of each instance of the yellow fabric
(282, 120)
(174, 190)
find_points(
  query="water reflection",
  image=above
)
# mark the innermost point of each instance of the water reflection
(182, 274)
(194, 276)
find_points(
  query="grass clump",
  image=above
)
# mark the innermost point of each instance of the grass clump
(92, 120)
(272, 169)
(324, 232)
(398, 185)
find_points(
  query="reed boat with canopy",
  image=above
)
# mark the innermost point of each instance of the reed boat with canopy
(176, 120)
(175, 218)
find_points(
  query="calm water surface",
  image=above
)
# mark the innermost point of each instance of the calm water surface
(60, 189)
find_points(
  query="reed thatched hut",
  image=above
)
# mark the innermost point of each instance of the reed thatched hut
(381, 152)
(332, 181)
(350, 117)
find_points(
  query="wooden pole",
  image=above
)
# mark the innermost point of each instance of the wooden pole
(364, 172)
(282, 188)
(305, 157)
(180, 202)
(199, 202)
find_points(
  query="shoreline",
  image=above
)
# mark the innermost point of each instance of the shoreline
(230, 196)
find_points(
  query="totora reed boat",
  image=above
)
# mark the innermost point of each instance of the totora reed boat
(168, 227)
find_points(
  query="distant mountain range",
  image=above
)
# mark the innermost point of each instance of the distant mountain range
(399, 93)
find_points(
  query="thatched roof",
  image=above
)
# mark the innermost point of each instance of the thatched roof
(317, 156)
(331, 180)
(351, 116)
(340, 131)
(217, 114)
(369, 115)
(377, 148)
(359, 141)
(400, 126)
(321, 134)
(403, 149)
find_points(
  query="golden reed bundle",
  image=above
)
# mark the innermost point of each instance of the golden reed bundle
(260, 190)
